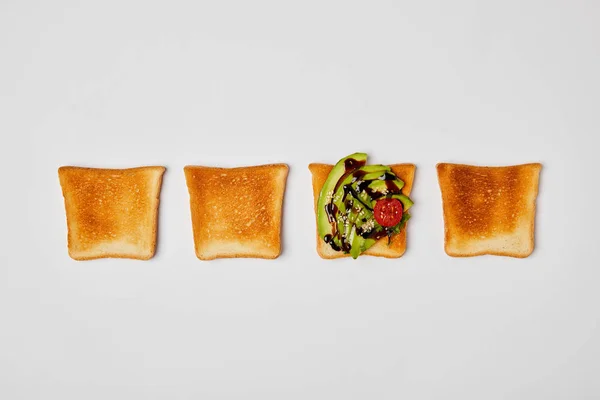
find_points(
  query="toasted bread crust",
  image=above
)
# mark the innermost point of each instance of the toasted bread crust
(111, 213)
(236, 212)
(397, 247)
(489, 210)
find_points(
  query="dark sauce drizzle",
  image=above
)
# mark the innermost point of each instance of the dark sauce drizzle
(351, 164)
(349, 189)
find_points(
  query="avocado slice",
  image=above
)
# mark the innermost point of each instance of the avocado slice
(380, 185)
(406, 202)
(342, 168)
(357, 243)
(360, 243)
(374, 172)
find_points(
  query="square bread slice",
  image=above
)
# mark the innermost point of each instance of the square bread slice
(111, 213)
(236, 212)
(489, 210)
(397, 247)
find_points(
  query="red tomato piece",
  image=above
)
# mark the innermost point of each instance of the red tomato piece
(388, 212)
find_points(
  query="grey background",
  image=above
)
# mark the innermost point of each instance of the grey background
(128, 83)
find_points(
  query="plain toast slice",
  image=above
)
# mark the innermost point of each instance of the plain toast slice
(397, 247)
(489, 210)
(111, 213)
(236, 212)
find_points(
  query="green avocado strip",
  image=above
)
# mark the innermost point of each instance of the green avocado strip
(406, 202)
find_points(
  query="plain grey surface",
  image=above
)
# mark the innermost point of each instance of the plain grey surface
(229, 83)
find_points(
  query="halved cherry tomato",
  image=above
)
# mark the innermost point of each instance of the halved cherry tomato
(388, 212)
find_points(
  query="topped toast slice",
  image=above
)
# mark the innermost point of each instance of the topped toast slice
(397, 246)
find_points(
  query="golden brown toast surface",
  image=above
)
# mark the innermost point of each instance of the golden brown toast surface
(236, 212)
(397, 247)
(111, 212)
(489, 210)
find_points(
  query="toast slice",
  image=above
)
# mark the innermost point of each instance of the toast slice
(111, 213)
(236, 212)
(397, 247)
(489, 210)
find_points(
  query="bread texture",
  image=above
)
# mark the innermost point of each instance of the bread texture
(236, 212)
(111, 213)
(489, 210)
(397, 247)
